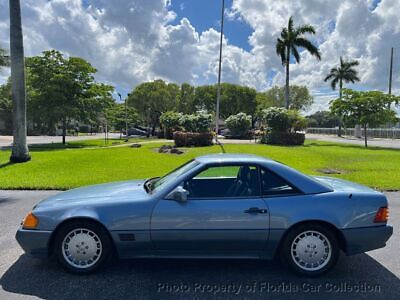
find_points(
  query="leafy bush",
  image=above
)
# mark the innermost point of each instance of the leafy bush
(170, 121)
(284, 126)
(187, 139)
(283, 138)
(174, 121)
(198, 122)
(279, 119)
(238, 125)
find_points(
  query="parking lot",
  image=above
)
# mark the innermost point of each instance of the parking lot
(375, 275)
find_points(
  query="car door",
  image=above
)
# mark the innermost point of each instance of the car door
(224, 212)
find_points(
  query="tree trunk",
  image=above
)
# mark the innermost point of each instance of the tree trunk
(64, 130)
(20, 152)
(287, 78)
(340, 117)
(365, 136)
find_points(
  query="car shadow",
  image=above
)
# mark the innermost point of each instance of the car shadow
(358, 276)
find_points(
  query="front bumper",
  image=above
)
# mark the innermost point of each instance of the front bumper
(359, 240)
(34, 242)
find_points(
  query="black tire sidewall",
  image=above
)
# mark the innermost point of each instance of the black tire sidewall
(98, 230)
(287, 243)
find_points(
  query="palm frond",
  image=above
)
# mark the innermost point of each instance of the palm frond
(306, 44)
(330, 76)
(281, 50)
(290, 24)
(352, 63)
(334, 83)
(295, 53)
(305, 29)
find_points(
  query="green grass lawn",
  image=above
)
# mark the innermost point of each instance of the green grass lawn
(85, 144)
(67, 168)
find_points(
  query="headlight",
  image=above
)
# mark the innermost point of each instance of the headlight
(30, 221)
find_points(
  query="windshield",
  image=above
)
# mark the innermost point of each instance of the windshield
(166, 179)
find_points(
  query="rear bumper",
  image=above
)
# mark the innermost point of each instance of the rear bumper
(34, 242)
(359, 240)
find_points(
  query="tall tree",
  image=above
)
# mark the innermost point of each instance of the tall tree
(62, 90)
(4, 58)
(186, 98)
(20, 152)
(287, 45)
(366, 108)
(151, 99)
(299, 98)
(345, 72)
(6, 108)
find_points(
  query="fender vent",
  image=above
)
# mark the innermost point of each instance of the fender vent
(127, 237)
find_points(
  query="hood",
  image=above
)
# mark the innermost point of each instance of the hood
(340, 185)
(130, 190)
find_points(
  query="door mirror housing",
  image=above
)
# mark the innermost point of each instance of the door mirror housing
(179, 194)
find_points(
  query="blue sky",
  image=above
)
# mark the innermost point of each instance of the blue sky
(205, 14)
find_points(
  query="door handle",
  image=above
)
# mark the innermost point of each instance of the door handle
(255, 210)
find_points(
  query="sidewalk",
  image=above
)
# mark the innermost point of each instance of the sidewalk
(372, 142)
(6, 140)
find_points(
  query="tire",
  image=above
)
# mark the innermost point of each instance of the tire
(82, 247)
(310, 249)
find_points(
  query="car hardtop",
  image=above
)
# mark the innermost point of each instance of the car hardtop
(304, 183)
(232, 158)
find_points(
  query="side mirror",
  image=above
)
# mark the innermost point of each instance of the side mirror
(179, 194)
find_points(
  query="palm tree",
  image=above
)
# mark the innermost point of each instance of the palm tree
(20, 152)
(344, 73)
(287, 44)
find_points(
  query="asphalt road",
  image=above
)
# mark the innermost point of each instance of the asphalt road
(375, 275)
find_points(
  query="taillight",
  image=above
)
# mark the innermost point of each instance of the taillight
(382, 215)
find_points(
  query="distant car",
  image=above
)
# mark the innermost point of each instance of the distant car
(137, 131)
(215, 206)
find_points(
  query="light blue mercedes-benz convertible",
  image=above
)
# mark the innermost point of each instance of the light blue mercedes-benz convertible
(215, 206)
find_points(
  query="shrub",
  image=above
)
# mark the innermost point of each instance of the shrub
(238, 125)
(198, 122)
(277, 118)
(283, 138)
(187, 139)
(284, 126)
(170, 121)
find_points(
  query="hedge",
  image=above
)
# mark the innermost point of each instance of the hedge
(187, 139)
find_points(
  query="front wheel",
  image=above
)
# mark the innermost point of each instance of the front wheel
(310, 249)
(82, 247)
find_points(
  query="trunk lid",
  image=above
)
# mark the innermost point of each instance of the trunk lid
(341, 185)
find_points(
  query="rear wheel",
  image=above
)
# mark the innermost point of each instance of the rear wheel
(82, 246)
(310, 249)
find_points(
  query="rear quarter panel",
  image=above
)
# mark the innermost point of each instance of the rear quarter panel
(341, 209)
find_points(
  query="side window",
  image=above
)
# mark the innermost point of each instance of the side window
(272, 184)
(234, 181)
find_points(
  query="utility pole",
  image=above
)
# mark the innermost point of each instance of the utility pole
(219, 72)
(391, 71)
(126, 114)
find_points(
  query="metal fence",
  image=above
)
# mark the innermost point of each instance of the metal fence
(386, 133)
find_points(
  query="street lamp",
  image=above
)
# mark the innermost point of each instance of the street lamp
(219, 72)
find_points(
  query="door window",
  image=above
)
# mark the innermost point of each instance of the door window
(235, 181)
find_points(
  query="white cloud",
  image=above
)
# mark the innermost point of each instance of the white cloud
(136, 40)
